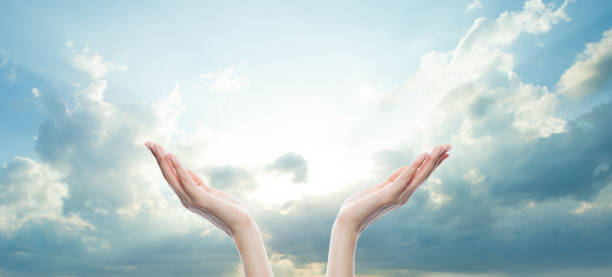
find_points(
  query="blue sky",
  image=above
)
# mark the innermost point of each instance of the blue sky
(291, 106)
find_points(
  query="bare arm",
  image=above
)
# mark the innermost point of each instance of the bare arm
(364, 207)
(220, 208)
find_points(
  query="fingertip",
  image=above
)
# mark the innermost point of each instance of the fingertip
(445, 156)
(158, 148)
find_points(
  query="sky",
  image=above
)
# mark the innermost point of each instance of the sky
(293, 105)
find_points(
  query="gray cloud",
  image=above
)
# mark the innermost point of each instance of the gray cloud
(291, 163)
(230, 177)
(523, 199)
(46, 248)
(86, 207)
(525, 220)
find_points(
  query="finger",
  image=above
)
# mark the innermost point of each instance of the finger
(374, 188)
(402, 180)
(167, 170)
(441, 160)
(187, 183)
(432, 156)
(195, 177)
(417, 178)
(198, 181)
(415, 183)
(393, 176)
(445, 149)
(426, 167)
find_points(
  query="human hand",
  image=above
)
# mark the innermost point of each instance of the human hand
(220, 208)
(364, 207)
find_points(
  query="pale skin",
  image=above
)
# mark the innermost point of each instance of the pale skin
(356, 214)
(220, 208)
(365, 206)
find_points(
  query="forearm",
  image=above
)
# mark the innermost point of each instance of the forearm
(341, 259)
(252, 253)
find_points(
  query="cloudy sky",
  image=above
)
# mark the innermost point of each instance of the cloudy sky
(291, 106)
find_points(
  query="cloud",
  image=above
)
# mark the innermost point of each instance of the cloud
(524, 190)
(3, 57)
(31, 192)
(224, 80)
(283, 266)
(93, 64)
(592, 69)
(291, 163)
(518, 174)
(10, 75)
(35, 92)
(476, 4)
(90, 193)
(230, 178)
(310, 219)
(477, 77)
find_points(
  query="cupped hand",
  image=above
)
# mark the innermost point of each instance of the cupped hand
(218, 207)
(364, 207)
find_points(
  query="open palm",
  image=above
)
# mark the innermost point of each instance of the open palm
(218, 207)
(364, 207)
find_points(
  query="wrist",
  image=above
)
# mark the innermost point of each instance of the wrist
(252, 252)
(350, 233)
(247, 230)
(345, 228)
(342, 246)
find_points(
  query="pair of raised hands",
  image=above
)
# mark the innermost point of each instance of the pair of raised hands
(356, 214)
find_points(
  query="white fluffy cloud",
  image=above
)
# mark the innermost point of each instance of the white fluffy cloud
(477, 78)
(224, 80)
(94, 176)
(31, 191)
(592, 69)
(476, 4)
(93, 64)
